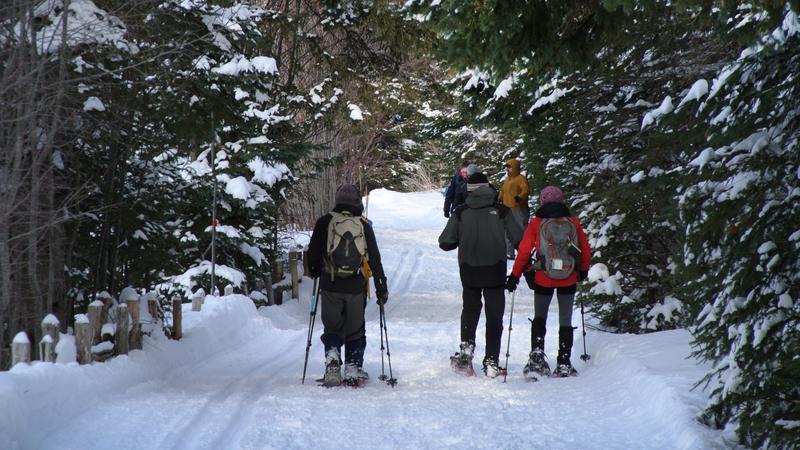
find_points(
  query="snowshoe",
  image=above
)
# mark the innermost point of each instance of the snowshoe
(565, 370)
(461, 362)
(462, 365)
(492, 369)
(536, 366)
(355, 376)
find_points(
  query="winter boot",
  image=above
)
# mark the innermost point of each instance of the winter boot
(491, 367)
(354, 375)
(462, 360)
(333, 368)
(536, 366)
(564, 367)
(537, 360)
(354, 361)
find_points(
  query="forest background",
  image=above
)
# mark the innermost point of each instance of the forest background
(672, 127)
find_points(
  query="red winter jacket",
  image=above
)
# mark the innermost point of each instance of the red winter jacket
(531, 239)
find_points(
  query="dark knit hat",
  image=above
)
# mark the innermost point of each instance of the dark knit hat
(551, 194)
(472, 169)
(347, 194)
(476, 180)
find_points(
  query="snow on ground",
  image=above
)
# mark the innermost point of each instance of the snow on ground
(234, 379)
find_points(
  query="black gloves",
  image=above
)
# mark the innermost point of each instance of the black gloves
(583, 274)
(447, 213)
(381, 291)
(382, 297)
(314, 272)
(511, 283)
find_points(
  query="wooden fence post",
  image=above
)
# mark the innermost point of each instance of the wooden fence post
(83, 338)
(95, 319)
(277, 269)
(177, 317)
(305, 264)
(47, 349)
(50, 326)
(135, 339)
(197, 299)
(105, 297)
(20, 349)
(121, 338)
(293, 273)
(270, 291)
(152, 306)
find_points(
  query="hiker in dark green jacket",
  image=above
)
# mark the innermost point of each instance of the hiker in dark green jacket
(478, 229)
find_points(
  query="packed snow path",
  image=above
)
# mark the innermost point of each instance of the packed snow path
(234, 380)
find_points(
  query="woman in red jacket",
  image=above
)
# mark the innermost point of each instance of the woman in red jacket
(562, 258)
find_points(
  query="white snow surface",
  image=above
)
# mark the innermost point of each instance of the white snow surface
(233, 381)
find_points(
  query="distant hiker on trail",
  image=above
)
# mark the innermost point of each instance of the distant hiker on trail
(514, 194)
(341, 240)
(478, 229)
(562, 258)
(457, 189)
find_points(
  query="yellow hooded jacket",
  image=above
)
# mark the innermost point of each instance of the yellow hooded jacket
(515, 185)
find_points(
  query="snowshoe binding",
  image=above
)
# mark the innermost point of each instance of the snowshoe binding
(355, 376)
(564, 371)
(491, 368)
(537, 366)
(461, 362)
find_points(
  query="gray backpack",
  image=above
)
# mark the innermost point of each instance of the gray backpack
(557, 250)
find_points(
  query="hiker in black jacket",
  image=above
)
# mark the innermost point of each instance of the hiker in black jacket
(343, 296)
(457, 190)
(478, 229)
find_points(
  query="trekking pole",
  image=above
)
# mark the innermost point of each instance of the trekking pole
(391, 381)
(311, 320)
(380, 320)
(585, 356)
(508, 345)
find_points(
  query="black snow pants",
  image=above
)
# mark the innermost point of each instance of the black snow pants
(343, 319)
(471, 312)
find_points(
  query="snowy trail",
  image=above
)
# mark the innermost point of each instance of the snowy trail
(234, 380)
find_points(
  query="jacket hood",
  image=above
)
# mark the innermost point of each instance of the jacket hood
(515, 167)
(482, 197)
(553, 210)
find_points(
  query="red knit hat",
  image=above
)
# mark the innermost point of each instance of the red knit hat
(551, 194)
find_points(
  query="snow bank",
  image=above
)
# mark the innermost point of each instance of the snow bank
(42, 395)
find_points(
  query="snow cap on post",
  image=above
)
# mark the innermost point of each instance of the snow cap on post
(348, 194)
(128, 294)
(551, 194)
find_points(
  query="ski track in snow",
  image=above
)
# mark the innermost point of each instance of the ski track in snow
(234, 381)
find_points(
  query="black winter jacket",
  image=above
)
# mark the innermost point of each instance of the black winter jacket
(317, 252)
(456, 193)
(478, 229)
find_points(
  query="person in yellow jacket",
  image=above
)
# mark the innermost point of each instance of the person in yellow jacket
(514, 194)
